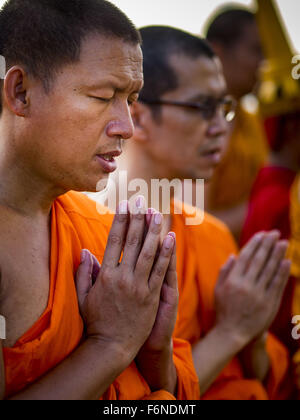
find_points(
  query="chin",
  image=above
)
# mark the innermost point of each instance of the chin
(91, 186)
(205, 175)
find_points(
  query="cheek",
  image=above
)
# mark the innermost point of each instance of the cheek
(71, 131)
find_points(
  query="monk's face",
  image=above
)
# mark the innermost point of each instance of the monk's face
(75, 131)
(241, 61)
(183, 143)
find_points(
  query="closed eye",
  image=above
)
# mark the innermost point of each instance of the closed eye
(106, 100)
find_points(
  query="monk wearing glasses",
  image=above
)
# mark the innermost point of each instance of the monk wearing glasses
(227, 300)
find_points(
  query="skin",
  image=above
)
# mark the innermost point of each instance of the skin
(49, 146)
(171, 158)
(289, 154)
(256, 279)
(241, 62)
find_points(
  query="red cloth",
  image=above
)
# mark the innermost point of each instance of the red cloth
(269, 209)
(269, 206)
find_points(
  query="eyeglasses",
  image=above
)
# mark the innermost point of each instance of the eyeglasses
(208, 107)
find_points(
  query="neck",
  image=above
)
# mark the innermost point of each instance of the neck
(139, 165)
(284, 159)
(20, 190)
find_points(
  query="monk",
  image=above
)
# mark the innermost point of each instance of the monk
(269, 205)
(71, 75)
(233, 34)
(225, 313)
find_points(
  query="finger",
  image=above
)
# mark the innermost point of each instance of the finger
(148, 253)
(247, 253)
(117, 236)
(149, 215)
(96, 269)
(261, 256)
(171, 276)
(135, 235)
(83, 278)
(161, 266)
(226, 269)
(281, 278)
(278, 254)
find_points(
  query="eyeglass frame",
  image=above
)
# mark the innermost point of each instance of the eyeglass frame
(197, 105)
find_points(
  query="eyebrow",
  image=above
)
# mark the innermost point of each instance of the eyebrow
(119, 87)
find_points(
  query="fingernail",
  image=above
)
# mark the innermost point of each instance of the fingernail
(168, 242)
(158, 219)
(123, 207)
(173, 234)
(260, 237)
(140, 202)
(150, 211)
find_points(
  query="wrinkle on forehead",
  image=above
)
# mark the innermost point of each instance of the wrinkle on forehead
(111, 59)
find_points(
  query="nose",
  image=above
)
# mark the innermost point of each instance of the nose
(218, 126)
(122, 125)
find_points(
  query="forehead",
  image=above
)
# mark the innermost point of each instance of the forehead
(201, 75)
(250, 33)
(105, 59)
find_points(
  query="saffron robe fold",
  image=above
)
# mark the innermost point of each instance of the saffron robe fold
(294, 249)
(77, 225)
(269, 208)
(294, 255)
(201, 252)
(246, 154)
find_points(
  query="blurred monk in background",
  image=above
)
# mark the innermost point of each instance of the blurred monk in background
(76, 330)
(227, 302)
(233, 34)
(270, 200)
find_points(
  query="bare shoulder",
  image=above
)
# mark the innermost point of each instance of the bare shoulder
(25, 273)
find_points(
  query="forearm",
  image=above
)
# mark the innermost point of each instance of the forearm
(158, 369)
(255, 359)
(212, 354)
(84, 375)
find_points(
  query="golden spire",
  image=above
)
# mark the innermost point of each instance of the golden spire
(279, 92)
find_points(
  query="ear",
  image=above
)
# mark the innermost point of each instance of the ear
(15, 91)
(140, 116)
(218, 49)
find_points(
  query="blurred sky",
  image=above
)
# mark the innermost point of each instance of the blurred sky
(192, 14)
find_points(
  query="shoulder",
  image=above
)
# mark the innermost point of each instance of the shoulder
(209, 230)
(80, 206)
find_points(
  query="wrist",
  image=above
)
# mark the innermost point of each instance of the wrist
(158, 368)
(115, 351)
(261, 341)
(234, 339)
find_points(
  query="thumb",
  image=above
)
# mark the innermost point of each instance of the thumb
(84, 277)
(226, 269)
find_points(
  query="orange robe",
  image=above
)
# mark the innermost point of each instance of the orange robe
(246, 154)
(76, 225)
(202, 251)
(294, 255)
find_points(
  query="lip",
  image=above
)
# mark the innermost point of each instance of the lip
(108, 166)
(214, 156)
